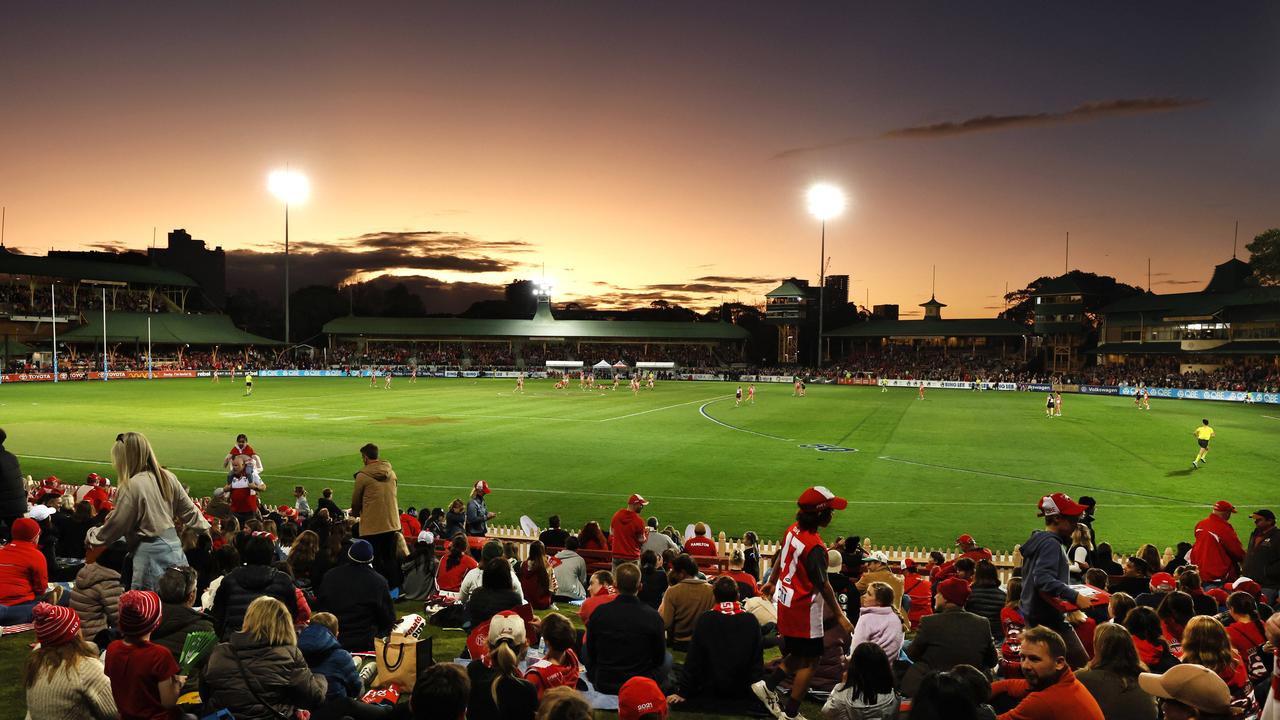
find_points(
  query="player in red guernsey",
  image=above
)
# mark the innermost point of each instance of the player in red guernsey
(798, 584)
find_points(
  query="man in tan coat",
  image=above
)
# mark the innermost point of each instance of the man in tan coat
(374, 502)
(877, 570)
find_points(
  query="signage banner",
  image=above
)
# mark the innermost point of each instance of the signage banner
(1099, 390)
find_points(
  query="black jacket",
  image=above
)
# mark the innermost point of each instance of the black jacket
(517, 699)
(13, 492)
(176, 622)
(360, 598)
(725, 656)
(485, 602)
(1262, 558)
(625, 637)
(242, 586)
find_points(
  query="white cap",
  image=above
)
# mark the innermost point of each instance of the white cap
(427, 537)
(878, 556)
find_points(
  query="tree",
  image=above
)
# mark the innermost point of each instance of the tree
(1099, 291)
(1265, 256)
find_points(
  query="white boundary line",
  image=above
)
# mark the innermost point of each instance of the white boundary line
(703, 411)
(1271, 417)
(666, 407)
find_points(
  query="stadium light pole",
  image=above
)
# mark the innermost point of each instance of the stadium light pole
(291, 188)
(825, 201)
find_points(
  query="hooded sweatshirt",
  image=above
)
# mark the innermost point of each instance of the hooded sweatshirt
(326, 657)
(882, 626)
(374, 499)
(1044, 570)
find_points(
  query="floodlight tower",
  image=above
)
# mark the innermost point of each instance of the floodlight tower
(825, 201)
(291, 188)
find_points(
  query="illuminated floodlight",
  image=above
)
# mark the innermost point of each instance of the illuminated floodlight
(543, 288)
(825, 201)
(289, 186)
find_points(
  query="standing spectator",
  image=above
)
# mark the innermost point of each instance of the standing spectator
(751, 554)
(148, 502)
(625, 638)
(144, 676)
(878, 621)
(985, 596)
(627, 531)
(1112, 676)
(1262, 558)
(359, 597)
(440, 693)
(536, 579)
(1217, 550)
(455, 519)
(13, 489)
(240, 587)
(700, 545)
(96, 595)
(1045, 573)
(327, 503)
(685, 601)
(1080, 556)
(949, 637)
(1086, 518)
(64, 677)
(259, 673)
(799, 578)
(554, 536)
(244, 488)
(1048, 689)
(478, 515)
(876, 569)
(24, 574)
(559, 667)
(1189, 692)
(455, 566)
(498, 689)
(725, 657)
(866, 691)
(374, 501)
(569, 571)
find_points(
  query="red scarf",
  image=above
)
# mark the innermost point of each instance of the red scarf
(729, 608)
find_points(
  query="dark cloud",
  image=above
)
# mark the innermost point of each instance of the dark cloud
(439, 296)
(1179, 282)
(692, 288)
(735, 280)
(108, 246)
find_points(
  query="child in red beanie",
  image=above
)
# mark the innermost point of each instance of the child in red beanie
(24, 574)
(144, 675)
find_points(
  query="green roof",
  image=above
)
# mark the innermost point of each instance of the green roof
(12, 263)
(787, 289)
(589, 329)
(975, 327)
(166, 329)
(1155, 306)
(14, 347)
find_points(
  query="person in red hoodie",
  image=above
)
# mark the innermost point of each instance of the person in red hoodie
(917, 587)
(627, 531)
(1048, 690)
(24, 574)
(410, 526)
(1217, 550)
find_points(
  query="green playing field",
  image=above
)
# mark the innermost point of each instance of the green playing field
(917, 472)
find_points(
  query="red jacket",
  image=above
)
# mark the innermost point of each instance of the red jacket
(700, 546)
(947, 569)
(23, 573)
(626, 533)
(1066, 699)
(411, 527)
(1217, 551)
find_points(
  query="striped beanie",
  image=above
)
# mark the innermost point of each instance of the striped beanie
(54, 625)
(139, 612)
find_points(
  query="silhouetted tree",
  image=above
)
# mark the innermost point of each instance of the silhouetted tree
(1099, 291)
(1265, 256)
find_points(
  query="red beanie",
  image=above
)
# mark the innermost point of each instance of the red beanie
(54, 625)
(954, 590)
(25, 529)
(139, 613)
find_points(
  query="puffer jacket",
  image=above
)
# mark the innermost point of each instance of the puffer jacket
(13, 491)
(96, 598)
(243, 673)
(242, 586)
(326, 657)
(374, 500)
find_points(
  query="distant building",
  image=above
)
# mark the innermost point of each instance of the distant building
(837, 291)
(790, 306)
(884, 312)
(884, 329)
(190, 257)
(1060, 321)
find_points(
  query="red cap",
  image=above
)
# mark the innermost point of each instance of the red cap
(641, 696)
(1060, 504)
(636, 499)
(1162, 581)
(25, 529)
(1224, 506)
(954, 590)
(1245, 585)
(93, 479)
(817, 499)
(1219, 596)
(483, 487)
(965, 540)
(908, 563)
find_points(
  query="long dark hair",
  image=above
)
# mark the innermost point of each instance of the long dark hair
(1143, 623)
(944, 696)
(1242, 603)
(868, 673)
(457, 546)
(1113, 651)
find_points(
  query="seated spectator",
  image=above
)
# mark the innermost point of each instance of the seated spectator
(536, 579)
(688, 597)
(409, 525)
(1179, 558)
(1175, 611)
(625, 638)
(1080, 555)
(659, 542)
(498, 690)
(471, 582)
(569, 571)
(949, 637)
(591, 537)
(1136, 579)
(1189, 583)
(24, 573)
(944, 696)
(1097, 578)
(847, 594)
(96, 595)
(1104, 560)
(198, 549)
(250, 581)
(318, 643)
(866, 690)
(653, 580)
(600, 590)
(1248, 634)
(969, 550)
(700, 545)
(144, 676)
(419, 569)
(1012, 623)
(1162, 584)
(1189, 692)
(177, 591)
(495, 594)
(985, 596)
(1119, 606)
(726, 655)
(1048, 689)
(564, 703)
(302, 561)
(457, 563)
(1148, 638)
(440, 693)
(63, 676)
(559, 667)
(72, 527)
(748, 587)
(876, 569)
(554, 536)
(1205, 642)
(919, 589)
(1112, 675)
(640, 698)
(359, 597)
(259, 673)
(878, 621)
(979, 688)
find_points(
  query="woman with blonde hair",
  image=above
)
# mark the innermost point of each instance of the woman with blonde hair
(1112, 675)
(498, 689)
(64, 677)
(259, 673)
(149, 504)
(1205, 642)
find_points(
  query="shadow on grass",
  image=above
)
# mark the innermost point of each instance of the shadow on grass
(1179, 473)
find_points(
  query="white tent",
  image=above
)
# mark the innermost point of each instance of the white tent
(620, 365)
(602, 365)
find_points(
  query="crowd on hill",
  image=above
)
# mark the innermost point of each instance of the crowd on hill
(173, 605)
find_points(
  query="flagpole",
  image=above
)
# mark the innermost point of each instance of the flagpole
(148, 347)
(53, 315)
(104, 334)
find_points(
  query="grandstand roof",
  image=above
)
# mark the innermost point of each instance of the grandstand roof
(538, 327)
(14, 347)
(166, 329)
(12, 263)
(1194, 304)
(972, 327)
(788, 288)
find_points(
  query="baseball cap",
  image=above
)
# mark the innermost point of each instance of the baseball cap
(636, 499)
(834, 561)
(1219, 596)
(426, 537)
(1245, 585)
(965, 540)
(483, 487)
(506, 625)
(641, 696)
(1224, 506)
(1060, 504)
(1162, 581)
(818, 498)
(877, 556)
(1193, 685)
(1265, 515)
(954, 590)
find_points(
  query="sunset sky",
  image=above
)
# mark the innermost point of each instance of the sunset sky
(646, 150)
